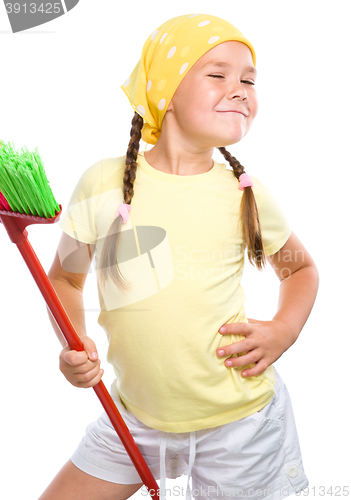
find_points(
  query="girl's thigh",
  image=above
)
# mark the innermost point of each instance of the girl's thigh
(73, 484)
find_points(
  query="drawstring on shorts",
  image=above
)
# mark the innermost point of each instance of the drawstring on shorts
(163, 446)
(192, 454)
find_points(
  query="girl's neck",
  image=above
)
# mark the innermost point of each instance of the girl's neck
(177, 166)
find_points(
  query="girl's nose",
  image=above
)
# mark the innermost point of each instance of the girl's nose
(238, 91)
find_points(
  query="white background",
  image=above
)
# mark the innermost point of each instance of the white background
(60, 92)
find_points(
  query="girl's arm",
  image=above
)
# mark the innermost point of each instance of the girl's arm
(266, 341)
(299, 280)
(69, 284)
(82, 369)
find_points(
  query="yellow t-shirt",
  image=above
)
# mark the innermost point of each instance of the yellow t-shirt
(182, 250)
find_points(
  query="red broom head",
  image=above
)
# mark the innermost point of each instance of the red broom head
(3, 203)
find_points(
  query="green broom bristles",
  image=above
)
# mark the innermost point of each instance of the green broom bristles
(23, 182)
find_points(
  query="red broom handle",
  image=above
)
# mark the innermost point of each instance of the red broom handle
(64, 323)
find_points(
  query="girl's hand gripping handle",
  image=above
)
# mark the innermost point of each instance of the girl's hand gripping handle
(81, 368)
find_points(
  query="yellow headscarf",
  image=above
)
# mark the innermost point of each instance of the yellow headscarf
(167, 56)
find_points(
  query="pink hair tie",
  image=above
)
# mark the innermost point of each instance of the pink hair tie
(123, 210)
(245, 181)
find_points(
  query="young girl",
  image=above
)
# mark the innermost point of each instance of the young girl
(169, 228)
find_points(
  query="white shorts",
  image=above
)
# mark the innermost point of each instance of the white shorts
(256, 457)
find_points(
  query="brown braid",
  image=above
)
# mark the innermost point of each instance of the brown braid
(252, 232)
(108, 261)
(249, 216)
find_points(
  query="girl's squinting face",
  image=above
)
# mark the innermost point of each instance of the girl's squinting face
(215, 105)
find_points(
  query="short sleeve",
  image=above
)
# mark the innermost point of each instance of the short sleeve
(78, 220)
(275, 227)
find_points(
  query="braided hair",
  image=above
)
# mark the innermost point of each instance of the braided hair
(249, 213)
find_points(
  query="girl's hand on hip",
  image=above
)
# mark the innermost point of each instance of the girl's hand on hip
(265, 342)
(81, 368)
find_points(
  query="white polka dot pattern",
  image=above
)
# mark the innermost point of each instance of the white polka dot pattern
(167, 55)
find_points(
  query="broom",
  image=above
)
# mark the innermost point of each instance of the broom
(26, 198)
